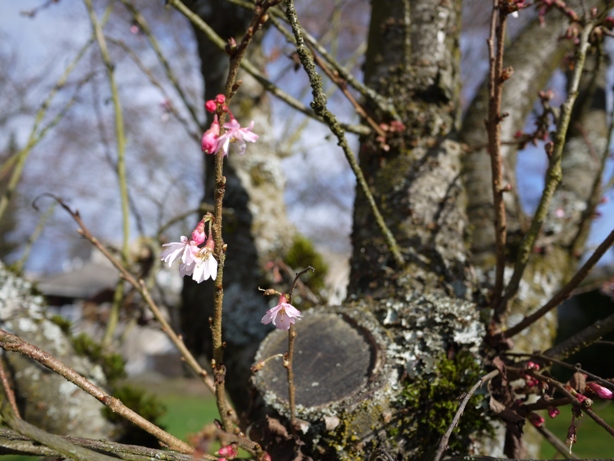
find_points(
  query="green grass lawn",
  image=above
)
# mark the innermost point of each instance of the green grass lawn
(593, 441)
(187, 414)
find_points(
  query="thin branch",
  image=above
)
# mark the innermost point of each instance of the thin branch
(566, 291)
(289, 356)
(144, 292)
(553, 174)
(577, 403)
(443, 444)
(144, 26)
(260, 78)
(319, 106)
(10, 342)
(595, 196)
(121, 167)
(555, 442)
(8, 390)
(583, 339)
(495, 90)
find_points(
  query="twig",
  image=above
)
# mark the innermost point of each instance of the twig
(443, 444)
(121, 168)
(577, 367)
(555, 442)
(289, 356)
(8, 390)
(565, 292)
(595, 195)
(573, 399)
(260, 78)
(553, 174)
(495, 90)
(10, 342)
(582, 339)
(144, 292)
(319, 106)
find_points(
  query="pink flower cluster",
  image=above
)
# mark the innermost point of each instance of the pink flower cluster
(212, 141)
(283, 315)
(196, 260)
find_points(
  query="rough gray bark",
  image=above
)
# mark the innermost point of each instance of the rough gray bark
(256, 228)
(45, 398)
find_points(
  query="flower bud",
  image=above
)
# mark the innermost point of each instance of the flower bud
(600, 391)
(231, 46)
(506, 73)
(211, 106)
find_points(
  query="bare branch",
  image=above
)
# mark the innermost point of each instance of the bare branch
(10, 342)
(566, 291)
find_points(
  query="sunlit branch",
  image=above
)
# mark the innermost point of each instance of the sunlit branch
(553, 174)
(121, 167)
(582, 339)
(566, 291)
(595, 195)
(495, 91)
(8, 391)
(253, 71)
(10, 342)
(319, 106)
(144, 292)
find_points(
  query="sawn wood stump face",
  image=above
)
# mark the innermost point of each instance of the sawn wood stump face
(337, 357)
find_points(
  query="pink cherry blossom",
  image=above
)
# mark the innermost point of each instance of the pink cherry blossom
(235, 134)
(211, 138)
(553, 412)
(283, 315)
(185, 249)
